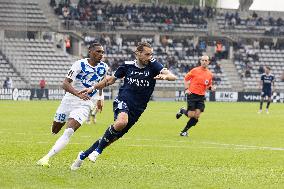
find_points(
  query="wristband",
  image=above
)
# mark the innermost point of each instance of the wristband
(93, 88)
(101, 97)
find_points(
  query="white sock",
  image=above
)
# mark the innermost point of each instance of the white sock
(61, 142)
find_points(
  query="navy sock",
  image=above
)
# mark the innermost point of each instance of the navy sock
(267, 105)
(192, 121)
(184, 111)
(110, 135)
(90, 150)
(261, 102)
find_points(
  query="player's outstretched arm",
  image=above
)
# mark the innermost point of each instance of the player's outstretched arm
(165, 74)
(108, 80)
(68, 87)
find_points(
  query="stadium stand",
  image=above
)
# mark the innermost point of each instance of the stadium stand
(179, 56)
(40, 58)
(251, 60)
(21, 14)
(7, 70)
(235, 22)
(105, 16)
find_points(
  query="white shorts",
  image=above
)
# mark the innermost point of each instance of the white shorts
(78, 110)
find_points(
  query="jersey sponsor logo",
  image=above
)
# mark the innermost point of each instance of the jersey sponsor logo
(138, 82)
(145, 73)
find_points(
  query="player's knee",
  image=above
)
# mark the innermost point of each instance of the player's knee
(191, 114)
(121, 123)
(56, 127)
(196, 116)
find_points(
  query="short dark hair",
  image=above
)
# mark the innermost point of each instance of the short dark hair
(267, 67)
(95, 44)
(141, 45)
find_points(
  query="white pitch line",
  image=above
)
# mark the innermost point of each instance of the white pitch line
(20, 133)
(158, 140)
(228, 146)
(239, 146)
(247, 146)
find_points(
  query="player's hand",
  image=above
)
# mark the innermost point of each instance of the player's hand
(100, 104)
(83, 96)
(87, 90)
(161, 77)
(213, 88)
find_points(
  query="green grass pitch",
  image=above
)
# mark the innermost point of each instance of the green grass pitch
(231, 147)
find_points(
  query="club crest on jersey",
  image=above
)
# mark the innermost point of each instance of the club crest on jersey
(206, 82)
(101, 71)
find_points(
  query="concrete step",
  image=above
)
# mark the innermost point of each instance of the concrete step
(53, 19)
(230, 70)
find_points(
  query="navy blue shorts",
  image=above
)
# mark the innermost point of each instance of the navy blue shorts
(265, 93)
(133, 115)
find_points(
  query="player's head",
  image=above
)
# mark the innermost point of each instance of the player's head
(96, 52)
(267, 69)
(144, 53)
(204, 61)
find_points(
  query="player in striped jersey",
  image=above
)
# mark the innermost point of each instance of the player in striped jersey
(75, 107)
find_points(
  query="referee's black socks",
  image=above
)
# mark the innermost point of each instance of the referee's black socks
(184, 111)
(191, 122)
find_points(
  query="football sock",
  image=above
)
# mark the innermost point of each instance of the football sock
(192, 121)
(110, 135)
(184, 111)
(267, 105)
(261, 102)
(61, 142)
(90, 150)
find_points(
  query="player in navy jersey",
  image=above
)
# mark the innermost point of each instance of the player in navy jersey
(140, 78)
(75, 106)
(267, 85)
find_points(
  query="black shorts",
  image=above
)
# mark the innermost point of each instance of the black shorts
(195, 101)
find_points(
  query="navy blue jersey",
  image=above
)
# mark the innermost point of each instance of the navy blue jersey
(138, 84)
(267, 82)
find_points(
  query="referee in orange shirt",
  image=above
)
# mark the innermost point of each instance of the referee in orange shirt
(197, 81)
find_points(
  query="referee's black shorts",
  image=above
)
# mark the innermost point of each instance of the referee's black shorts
(195, 101)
